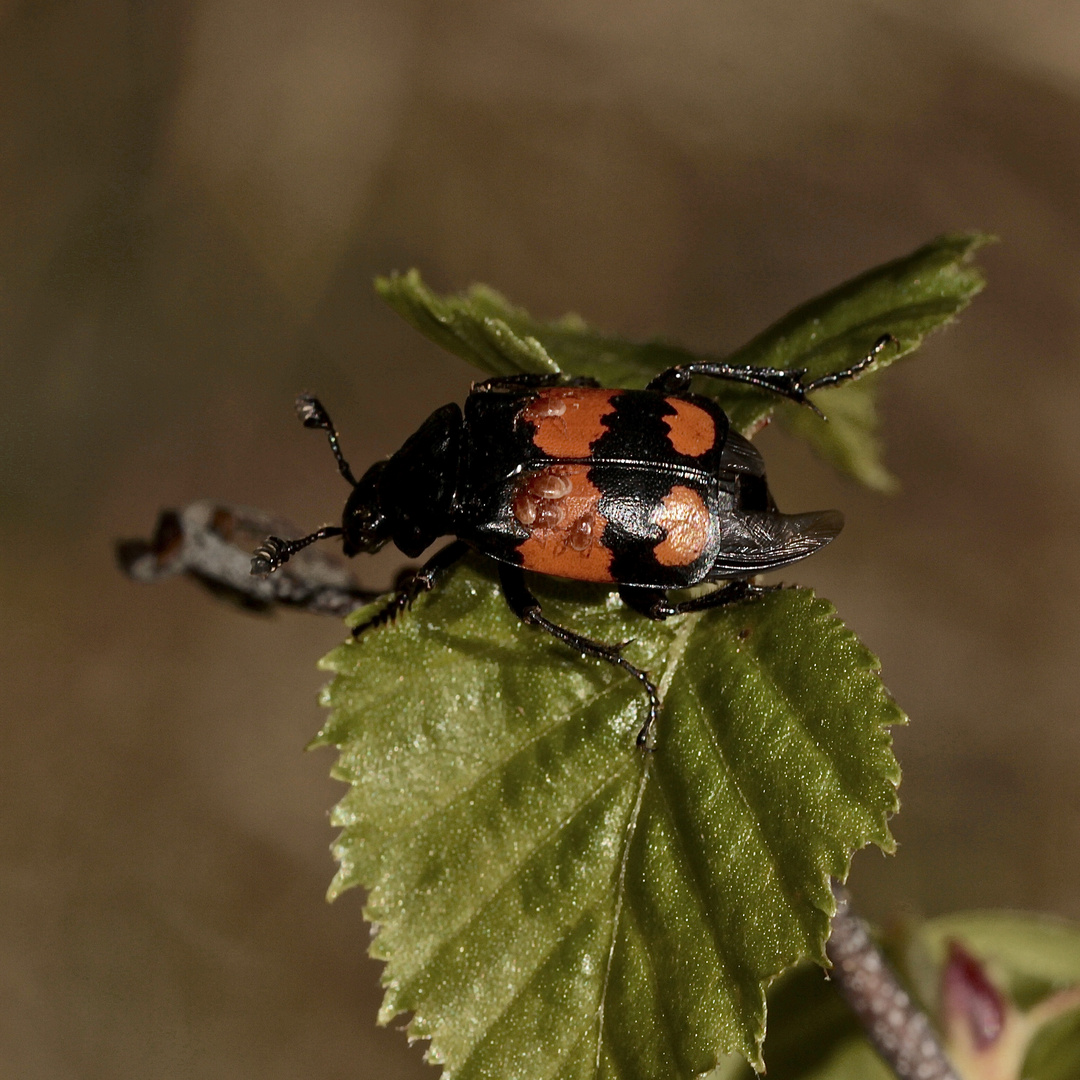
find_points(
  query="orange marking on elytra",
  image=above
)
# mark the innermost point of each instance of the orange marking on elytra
(568, 419)
(565, 532)
(691, 430)
(685, 518)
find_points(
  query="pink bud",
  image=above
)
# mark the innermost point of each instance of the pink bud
(968, 996)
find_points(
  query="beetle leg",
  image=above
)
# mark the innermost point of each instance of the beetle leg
(655, 604)
(787, 384)
(527, 608)
(850, 372)
(411, 586)
(532, 381)
(652, 603)
(731, 593)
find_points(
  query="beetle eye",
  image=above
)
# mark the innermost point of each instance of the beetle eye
(752, 493)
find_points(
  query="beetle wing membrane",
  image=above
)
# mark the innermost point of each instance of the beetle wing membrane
(756, 542)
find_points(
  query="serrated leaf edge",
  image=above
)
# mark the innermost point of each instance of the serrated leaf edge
(675, 650)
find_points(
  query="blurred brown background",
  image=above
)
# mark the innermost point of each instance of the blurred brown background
(193, 201)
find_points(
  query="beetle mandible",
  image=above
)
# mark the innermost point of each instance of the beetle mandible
(646, 490)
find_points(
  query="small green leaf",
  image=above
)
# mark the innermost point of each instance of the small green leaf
(1034, 955)
(1033, 959)
(482, 337)
(1054, 1053)
(551, 901)
(906, 298)
(848, 439)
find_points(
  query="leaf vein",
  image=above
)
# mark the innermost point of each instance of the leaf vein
(667, 1024)
(785, 703)
(470, 784)
(755, 817)
(484, 1035)
(620, 892)
(446, 944)
(696, 879)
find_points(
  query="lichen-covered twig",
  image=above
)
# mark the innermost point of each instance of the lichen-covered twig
(896, 1027)
(212, 543)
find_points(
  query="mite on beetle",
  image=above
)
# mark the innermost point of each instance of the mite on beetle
(647, 490)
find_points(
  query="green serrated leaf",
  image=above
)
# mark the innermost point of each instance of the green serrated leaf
(848, 440)
(460, 326)
(550, 900)
(906, 298)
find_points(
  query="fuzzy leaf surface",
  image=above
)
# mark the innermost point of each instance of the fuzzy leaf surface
(906, 298)
(551, 901)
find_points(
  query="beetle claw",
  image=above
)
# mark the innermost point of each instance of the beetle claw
(646, 728)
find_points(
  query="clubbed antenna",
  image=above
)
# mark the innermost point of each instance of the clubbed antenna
(274, 551)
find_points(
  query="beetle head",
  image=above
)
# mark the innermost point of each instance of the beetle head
(365, 524)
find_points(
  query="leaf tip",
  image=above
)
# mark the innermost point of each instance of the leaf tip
(396, 280)
(887, 844)
(338, 885)
(974, 239)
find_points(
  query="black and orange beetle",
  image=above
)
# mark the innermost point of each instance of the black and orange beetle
(646, 490)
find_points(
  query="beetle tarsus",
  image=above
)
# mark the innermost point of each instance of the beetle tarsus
(731, 593)
(642, 739)
(850, 372)
(388, 613)
(401, 600)
(654, 603)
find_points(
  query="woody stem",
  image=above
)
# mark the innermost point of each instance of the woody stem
(897, 1029)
